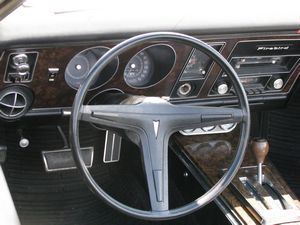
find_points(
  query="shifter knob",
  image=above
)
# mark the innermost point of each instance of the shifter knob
(260, 148)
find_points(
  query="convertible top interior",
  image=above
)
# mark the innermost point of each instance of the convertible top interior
(93, 20)
(127, 112)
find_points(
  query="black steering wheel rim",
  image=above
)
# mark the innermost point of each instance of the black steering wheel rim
(241, 147)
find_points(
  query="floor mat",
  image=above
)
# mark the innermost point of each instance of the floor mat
(61, 198)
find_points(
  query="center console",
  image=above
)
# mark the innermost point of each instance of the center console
(257, 195)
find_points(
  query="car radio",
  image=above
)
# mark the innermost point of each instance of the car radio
(263, 66)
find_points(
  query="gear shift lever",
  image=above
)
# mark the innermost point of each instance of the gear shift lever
(260, 148)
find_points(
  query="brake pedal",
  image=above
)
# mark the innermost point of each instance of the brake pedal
(62, 159)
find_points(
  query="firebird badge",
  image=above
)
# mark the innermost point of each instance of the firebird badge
(273, 48)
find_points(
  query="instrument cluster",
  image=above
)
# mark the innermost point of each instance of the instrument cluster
(146, 68)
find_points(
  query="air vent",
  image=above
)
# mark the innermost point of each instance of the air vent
(15, 102)
(12, 104)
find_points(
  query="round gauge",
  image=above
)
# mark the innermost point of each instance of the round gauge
(78, 68)
(207, 129)
(227, 126)
(138, 72)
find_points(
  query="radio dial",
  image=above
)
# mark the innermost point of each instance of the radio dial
(278, 83)
(222, 88)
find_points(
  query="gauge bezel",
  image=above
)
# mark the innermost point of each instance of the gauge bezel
(128, 80)
(98, 86)
(163, 77)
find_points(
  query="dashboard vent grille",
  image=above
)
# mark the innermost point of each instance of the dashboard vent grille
(12, 104)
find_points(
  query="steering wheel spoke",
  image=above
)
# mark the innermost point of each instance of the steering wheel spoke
(112, 116)
(155, 161)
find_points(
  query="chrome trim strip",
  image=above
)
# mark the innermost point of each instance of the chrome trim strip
(200, 131)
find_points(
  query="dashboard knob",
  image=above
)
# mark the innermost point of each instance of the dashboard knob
(23, 69)
(222, 88)
(24, 143)
(21, 66)
(278, 83)
(20, 59)
(184, 89)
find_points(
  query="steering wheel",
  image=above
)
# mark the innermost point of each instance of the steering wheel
(153, 120)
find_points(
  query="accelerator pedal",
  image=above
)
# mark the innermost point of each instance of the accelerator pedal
(112, 147)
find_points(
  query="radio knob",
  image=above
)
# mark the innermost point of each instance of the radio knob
(222, 88)
(278, 83)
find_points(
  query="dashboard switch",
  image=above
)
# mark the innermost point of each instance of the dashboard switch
(52, 73)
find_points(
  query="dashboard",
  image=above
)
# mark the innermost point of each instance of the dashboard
(43, 79)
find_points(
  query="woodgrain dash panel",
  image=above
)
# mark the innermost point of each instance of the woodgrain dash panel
(59, 94)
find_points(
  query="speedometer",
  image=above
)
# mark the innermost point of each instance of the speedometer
(138, 72)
